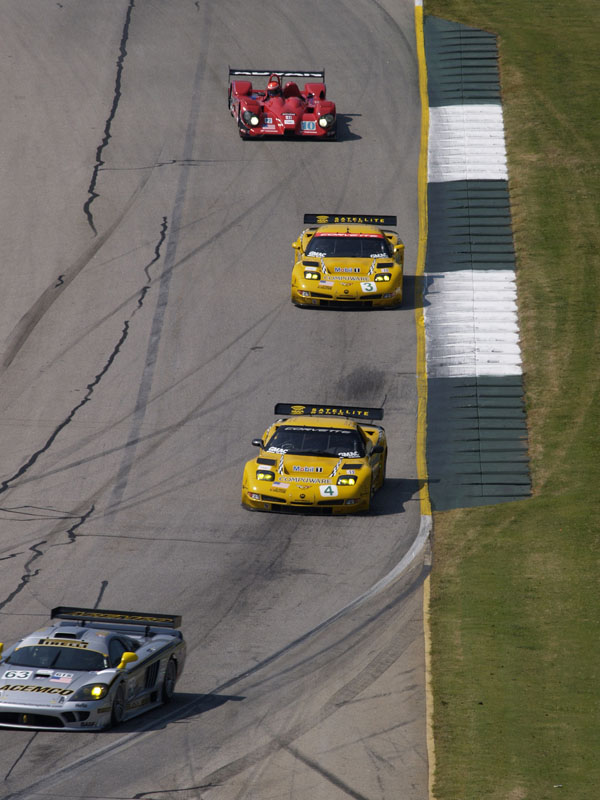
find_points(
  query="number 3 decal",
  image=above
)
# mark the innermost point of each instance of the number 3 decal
(328, 491)
(368, 286)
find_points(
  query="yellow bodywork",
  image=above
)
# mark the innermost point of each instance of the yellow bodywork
(289, 476)
(359, 265)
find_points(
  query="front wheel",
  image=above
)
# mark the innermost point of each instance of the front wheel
(168, 687)
(118, 707)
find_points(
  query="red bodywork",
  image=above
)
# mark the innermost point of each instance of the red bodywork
(290, 112)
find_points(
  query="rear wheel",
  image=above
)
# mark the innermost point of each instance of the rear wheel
(168, 687)
(118, 707)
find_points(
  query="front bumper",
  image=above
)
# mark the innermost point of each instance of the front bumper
(307, 296)
(305, 501)
(66, 717)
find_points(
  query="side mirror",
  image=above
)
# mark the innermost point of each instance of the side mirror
(378, 449)
(297, 245)
(127, 658)
(257, 442)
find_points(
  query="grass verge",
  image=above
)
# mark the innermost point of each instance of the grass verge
(515, 597)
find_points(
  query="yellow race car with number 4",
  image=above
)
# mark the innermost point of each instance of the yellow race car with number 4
(318, 460)
(348, 261)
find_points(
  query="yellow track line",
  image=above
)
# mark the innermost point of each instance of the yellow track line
(422, 369)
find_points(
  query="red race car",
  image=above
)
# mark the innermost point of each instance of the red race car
(281, 110)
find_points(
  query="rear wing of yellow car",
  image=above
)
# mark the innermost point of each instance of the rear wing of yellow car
(309, 409)
(341, 219)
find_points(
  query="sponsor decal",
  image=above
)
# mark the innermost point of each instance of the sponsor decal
(37, 689)
(138, 703)
(17, 674)
(328, 411)
(306, 479)
(297, 468)
(268, 120)
(349, 454)
(354, 235)
(281, 486)
(346, 269)
(62, 677)
(327, 284)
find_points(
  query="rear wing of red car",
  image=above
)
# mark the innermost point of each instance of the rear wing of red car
(309, 409)
(364, 219)
(265, 73)
(105, 616)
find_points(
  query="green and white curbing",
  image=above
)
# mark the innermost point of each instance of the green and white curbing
(476, 426)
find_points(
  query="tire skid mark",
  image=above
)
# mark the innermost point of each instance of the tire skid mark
(30, 741)
(6, 484)
(23, 469)
(92, 194)
(38, 552)
(28, 574)
(30, 319)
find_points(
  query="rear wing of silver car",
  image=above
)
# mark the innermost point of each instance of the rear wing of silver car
(309, 409)
(342, 219)
(265, 73)
(104, 616)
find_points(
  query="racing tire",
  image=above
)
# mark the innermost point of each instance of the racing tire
(118, 707)
(168, 686)
(383, 472)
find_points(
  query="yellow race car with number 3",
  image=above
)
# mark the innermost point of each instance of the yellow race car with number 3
(348, 261)
(318, 460)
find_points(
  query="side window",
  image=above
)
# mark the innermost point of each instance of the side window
(116, 648)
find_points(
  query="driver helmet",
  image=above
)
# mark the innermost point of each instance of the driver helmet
(274, 86)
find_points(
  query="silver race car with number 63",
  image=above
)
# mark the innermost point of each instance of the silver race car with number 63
(92, 669)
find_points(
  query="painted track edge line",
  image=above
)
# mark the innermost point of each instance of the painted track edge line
(422, 376)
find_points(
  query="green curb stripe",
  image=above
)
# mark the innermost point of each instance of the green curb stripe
(470, 226)
(461, 64)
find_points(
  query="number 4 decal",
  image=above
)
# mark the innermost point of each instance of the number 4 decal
(328, 491)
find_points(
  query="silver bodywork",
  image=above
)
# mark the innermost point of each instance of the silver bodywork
(48, 694)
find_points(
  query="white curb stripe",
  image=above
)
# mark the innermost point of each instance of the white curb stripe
(466, 142)
(471, 324)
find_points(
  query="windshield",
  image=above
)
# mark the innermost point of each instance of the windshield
(334, 442)
(53, 657)
(344, 246)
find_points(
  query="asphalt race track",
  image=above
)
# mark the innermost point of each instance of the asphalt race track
(146, 334)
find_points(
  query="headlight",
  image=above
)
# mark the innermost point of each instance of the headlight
(93, 691)
(346, 480)
(326, 121)
(250, 118)
(311, 275)
(383, 276)
(264, 475)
